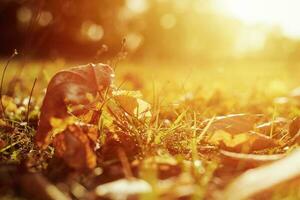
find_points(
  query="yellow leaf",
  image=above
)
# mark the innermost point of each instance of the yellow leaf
(238, 139)
(142, 109)
(134, 94)
(59, 125)
(106, 119)
(132, 104)
(228, 139)
(90, 97)
(2, 122)
(9, 104)
(87, 116)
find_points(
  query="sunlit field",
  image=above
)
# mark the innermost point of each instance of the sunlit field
(140, 99)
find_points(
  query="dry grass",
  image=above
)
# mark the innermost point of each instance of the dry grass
(173, 159)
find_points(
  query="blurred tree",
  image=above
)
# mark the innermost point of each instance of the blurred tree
(72, 28)
(189, 31)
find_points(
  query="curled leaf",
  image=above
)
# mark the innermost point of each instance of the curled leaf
(71, 87)
(243, 142)
(247, 160)
(235, 123)
(257, 180)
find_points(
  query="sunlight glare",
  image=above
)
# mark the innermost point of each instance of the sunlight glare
(282, 13)
(250, 40)
(137, 6)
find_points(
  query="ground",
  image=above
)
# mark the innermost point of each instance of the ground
(173, 155)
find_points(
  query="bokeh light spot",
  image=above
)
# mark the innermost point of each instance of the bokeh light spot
(138, 6)
(92, 31)
(168, 21)
(24, 15)
(133, 41)
(45, 18)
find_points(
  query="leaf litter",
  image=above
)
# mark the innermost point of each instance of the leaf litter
(93, 140)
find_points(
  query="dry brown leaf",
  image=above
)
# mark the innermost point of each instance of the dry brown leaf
(242, 142)
(71, 87)
(119, 140)
(74, 147)
(235, 123)
(257, 180)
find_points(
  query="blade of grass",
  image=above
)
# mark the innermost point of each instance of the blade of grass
(2, 79)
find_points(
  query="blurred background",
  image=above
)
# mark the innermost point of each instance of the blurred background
(183, 31)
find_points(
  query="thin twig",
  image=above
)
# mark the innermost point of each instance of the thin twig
(29, 101)
(2, 79)
(120, 55)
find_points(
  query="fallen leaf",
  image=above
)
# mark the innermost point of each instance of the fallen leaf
(9, 104)
(71, 87)
(265, 177)
(235, 123)
(228, 139)
(74, 147)
(119, 140)
(242, 142)
(59, 125)
(132, 104)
